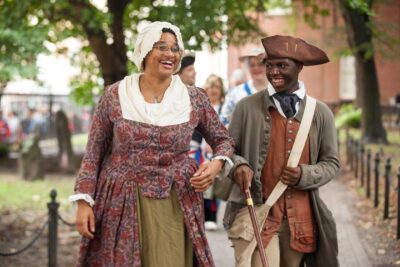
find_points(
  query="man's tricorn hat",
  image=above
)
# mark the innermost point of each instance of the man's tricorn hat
(279, 46)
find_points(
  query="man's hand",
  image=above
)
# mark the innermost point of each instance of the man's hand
(243, 176)
(85, 219)
(291, 176)
(205, 175)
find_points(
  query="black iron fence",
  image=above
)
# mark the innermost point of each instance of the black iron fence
(52, 239)
(367, 167)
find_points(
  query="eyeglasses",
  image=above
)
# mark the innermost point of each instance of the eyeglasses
(164, 48)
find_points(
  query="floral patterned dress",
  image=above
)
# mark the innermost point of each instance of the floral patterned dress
(123, 155)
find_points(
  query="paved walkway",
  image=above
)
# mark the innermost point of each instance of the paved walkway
(338, 199)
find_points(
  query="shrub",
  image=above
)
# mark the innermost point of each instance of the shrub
(3, 150)
(348, 115)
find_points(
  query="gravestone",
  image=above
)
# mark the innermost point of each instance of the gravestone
(31, 162)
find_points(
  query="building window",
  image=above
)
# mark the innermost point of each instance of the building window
(347, 78)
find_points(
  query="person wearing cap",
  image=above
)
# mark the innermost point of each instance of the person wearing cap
(187, 72)
(264, 127)
(139, 194)
(257, 83)
(238, 76)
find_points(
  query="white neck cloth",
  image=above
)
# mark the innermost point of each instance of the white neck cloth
(174, 108)
(301, 93)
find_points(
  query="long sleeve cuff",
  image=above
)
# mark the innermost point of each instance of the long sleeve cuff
(85, 197)
(227, 159)
(226, 168)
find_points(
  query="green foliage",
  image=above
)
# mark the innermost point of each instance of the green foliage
(26, 25)
(4, 149)
(312, 10)
(362, 6)
(21, 39)
(88, 83)
(348, 115)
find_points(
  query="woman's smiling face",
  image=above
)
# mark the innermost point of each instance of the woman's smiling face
(165, 56)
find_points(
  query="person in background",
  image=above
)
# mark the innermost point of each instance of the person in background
(214, 88)
(14, 124)
(264, 127)
(27, 123)
(187, 73)
(258, 82)
(237, 77)
(139, 194)
(4, 129)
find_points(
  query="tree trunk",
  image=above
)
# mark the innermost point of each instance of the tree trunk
(359, 36)
(112, 57)
(113, 65)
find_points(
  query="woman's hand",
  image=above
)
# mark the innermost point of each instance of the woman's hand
(85, 219)
(243, 176)
(205, 175)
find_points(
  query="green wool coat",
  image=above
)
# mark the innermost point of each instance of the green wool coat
(251, 130)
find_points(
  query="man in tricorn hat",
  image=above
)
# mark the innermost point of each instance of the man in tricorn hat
(264, 127)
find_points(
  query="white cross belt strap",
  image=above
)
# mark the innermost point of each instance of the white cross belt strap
(297, 149)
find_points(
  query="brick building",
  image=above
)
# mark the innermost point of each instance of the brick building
(333, 82)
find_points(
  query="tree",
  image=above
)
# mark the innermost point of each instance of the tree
(358, 17)
(108, 32)
(361, 33)
(21, 39)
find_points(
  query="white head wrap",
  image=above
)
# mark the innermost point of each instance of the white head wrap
(149, 36)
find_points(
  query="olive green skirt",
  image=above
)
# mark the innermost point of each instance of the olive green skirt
(164, 240)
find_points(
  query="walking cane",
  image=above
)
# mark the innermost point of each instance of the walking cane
(257, 234)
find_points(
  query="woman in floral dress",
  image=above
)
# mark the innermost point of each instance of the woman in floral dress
(139, 194)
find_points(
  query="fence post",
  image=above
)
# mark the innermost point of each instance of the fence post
(376, 187)
(368, 189)
(356, 156)
(362, 153)
(338, 141)
(388, 167)
(52, 238)
(351, 153)
(398, 203)
(347, 143)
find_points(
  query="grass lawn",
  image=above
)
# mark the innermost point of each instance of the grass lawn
(16, 193)
(78, 142)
